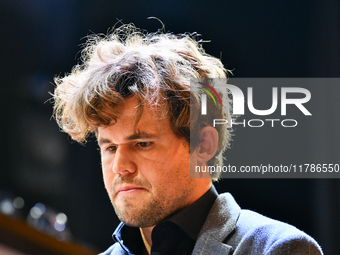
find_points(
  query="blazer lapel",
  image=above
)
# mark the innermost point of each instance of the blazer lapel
(220, 223)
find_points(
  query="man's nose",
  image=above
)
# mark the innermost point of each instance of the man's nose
(123, 161)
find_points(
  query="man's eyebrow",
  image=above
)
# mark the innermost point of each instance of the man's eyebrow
(140, 135)
(135, 136)
(102, 141)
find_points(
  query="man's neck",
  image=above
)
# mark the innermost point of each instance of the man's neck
(146, 236)
(146, 232)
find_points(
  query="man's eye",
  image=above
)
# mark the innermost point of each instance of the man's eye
(144, 145)
(111, 148)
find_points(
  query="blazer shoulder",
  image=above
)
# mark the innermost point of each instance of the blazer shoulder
(259, 234)
(232, 230)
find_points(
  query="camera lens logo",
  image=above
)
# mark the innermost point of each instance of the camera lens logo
(206, 88)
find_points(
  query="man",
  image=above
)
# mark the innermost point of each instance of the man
(133, 92)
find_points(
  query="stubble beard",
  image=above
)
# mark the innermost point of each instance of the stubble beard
(147, 215)
(150, 212)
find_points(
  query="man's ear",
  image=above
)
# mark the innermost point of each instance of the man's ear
(207, 147)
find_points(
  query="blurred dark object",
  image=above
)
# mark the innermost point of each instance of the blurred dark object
(48, 221)
(17, 235)
(11, 205)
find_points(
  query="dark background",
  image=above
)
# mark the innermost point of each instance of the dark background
(41, 39)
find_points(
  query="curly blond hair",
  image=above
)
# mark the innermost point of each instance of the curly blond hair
(156, 68)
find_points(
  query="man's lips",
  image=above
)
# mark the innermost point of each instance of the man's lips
(126, 189)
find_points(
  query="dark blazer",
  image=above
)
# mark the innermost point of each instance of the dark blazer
(230, 230)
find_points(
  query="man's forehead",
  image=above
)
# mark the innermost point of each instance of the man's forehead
(138, 113)
(136, 120)
(128, 108)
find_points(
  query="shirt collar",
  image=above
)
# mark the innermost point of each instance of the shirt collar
(129, 238)
(192, 218)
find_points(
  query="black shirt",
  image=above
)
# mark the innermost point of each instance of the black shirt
(176, 234)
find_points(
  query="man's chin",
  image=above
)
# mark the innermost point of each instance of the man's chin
(138, 218)
(138, 223)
